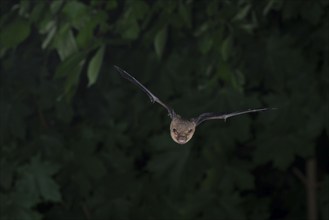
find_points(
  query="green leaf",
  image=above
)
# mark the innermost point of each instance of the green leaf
(7, 175)
(129, 28)
(50, 35)
(71, 69)
(65, 42)
(95, 65)
(72, 81)
(282, 150)
(170, 162)
(185, 13)
(205, 44)
(242, 177)
(75, 9)
(70, 64)
(36, 181)
(14, 33)
(49, 189)
(242, 13)
(26, 191)
(227, 48)
(312, 12)
(160, 41)
(86, 34)
(268, 6)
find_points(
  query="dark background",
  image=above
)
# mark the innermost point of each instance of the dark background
(80, 142)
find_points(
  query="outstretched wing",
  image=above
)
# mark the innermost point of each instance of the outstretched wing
(208, 116)
(153, 98)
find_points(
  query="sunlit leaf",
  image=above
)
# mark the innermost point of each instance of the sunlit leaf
(95, 65)
(160, 41)
(65, 42)
(49, 36)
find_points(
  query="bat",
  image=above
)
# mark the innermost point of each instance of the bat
(182, 130)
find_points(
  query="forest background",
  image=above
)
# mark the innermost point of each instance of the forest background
(80, 142)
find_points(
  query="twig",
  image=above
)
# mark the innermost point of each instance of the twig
(86, 211)
(300, 175)
(311, 189)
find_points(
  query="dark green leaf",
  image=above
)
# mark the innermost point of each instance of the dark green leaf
(227, 48)
(14, 33)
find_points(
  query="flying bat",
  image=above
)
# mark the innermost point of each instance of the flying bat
(182, 130)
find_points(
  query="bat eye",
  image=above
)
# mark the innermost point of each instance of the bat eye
(189, 131)
(174, 130)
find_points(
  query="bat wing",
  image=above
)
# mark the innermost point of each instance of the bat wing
(208, 116)
(153, 98)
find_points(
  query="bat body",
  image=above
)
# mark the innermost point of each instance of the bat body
(182, 130)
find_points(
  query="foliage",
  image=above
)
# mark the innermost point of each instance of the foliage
(79, 142)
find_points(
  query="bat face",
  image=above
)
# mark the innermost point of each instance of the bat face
(181, 131)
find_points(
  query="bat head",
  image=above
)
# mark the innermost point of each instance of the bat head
(181, 130)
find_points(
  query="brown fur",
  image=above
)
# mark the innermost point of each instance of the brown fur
(181, 130)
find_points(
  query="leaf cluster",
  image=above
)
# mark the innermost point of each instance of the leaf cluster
(79, 142)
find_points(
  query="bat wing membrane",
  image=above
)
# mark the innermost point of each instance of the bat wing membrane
(152, 97)
(208, 116)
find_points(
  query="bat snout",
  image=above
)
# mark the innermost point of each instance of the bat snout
(181, 139)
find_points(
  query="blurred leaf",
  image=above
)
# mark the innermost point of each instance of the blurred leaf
(227, 48)
(206, 44)
(132, 31)
(65, 42)
(69, 65)
(170, 162)
(160, 41)
(230, 203)
(26, 191)
(39, 174)
(72, 81)
(95, 65)
(128, 25)
(14, 33)
(312, 11)
(7, 175)
(37, 12)
(50, 35)
(242, 13)
(201, 29)
(282, 150)
(116, 157)
(74, 10)
(86, 33)
(111, 4)
(243, 179)
(268, 7)
(139, 9)
(185, 12)
(94, 167)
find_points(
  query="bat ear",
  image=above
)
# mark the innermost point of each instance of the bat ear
(172, 114)
(197, 121)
